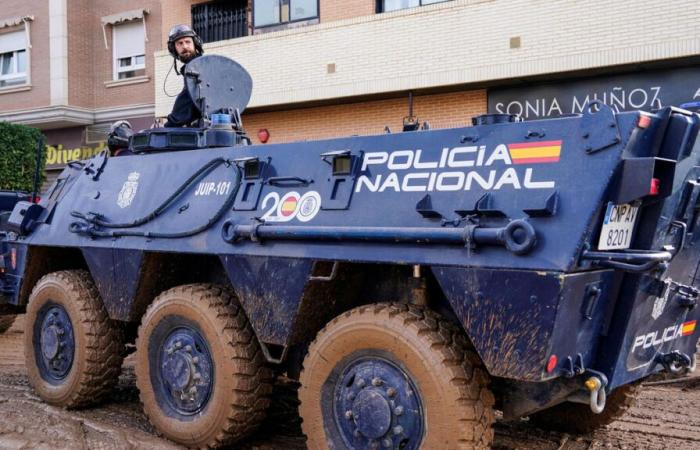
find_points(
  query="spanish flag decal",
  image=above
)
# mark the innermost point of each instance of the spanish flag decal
(535, 152)
(687, 328)
(289, 205)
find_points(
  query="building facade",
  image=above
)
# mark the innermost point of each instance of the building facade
(324, 68)
(71, 67)
(342, 68)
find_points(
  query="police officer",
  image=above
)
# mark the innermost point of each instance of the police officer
(184, 45)
(118, 138)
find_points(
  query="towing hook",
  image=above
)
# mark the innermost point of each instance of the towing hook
(519, 236)
(675, 362)
(598, 396)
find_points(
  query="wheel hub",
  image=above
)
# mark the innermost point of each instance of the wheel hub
(376, 405)
(56, 342)
(371, 413)
(186, 370)
(49, 342)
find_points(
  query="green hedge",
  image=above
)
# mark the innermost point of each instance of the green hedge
(18, 156)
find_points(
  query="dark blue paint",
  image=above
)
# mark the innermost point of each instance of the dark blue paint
(116, 273)
(376, 401)
(186, 370)
(509, 315)
(517, 310)
(262, 282)
(54, 343)
(181, 367)
(583, 313)
(633, 311)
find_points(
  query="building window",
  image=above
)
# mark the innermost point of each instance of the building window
(218, 21)
(394, 5)
(13, 58)
(128, 42)
(276, 12)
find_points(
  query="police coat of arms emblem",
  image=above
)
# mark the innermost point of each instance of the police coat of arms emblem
(660, 303)
(128, 192)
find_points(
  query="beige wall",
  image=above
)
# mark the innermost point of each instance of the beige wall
(455, 43)
(38, 95)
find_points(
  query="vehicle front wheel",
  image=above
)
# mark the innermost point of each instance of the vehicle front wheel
(73, 351)
(199, 368)
(394, 376)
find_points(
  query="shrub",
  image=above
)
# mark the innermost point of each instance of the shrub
(18, 157)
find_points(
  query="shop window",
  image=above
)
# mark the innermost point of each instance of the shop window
(394, 5)
(129, 50)
(13, 58)
(278, 12)
(218, 21)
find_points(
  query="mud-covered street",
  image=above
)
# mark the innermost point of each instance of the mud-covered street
(666, 416)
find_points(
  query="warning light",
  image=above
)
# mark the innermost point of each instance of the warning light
(552, 363)
(654, 186)
(644, 121)
(263, 135)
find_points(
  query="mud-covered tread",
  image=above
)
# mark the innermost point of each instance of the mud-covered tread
(104, 340)
(6, 322)
(459, 364)
(249, 396)
(577, 418)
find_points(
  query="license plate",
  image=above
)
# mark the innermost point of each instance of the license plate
(618, 226)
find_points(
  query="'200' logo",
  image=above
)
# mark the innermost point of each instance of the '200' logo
(291, 205)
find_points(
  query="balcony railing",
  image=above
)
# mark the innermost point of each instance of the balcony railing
(220, 20)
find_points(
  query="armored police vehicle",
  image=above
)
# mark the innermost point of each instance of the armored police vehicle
(412, 282)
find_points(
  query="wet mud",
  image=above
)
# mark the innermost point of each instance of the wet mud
(666, 416)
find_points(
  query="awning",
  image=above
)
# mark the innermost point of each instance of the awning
(20, 20)
(126, 16)
(14, 21)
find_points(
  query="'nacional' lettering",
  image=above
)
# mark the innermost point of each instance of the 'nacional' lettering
(414, 171)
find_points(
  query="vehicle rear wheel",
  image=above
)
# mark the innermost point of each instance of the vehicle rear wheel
(394, 376)
(577, 418)
(6, 322)
(199, 368)
(73, 351)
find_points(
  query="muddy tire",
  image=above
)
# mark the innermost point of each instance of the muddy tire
(199, 368)
(6, 322)
(72, 349)
(577, 418)
(394, 376)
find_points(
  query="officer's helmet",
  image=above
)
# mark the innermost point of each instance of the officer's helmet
(119, 134)
(179, 32)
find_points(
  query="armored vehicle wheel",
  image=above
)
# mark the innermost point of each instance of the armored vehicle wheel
(73, 351)
(6, 322)
(578, 418)
(199, 368)
(394, 376)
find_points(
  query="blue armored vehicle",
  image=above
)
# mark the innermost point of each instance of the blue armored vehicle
(412, 282)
